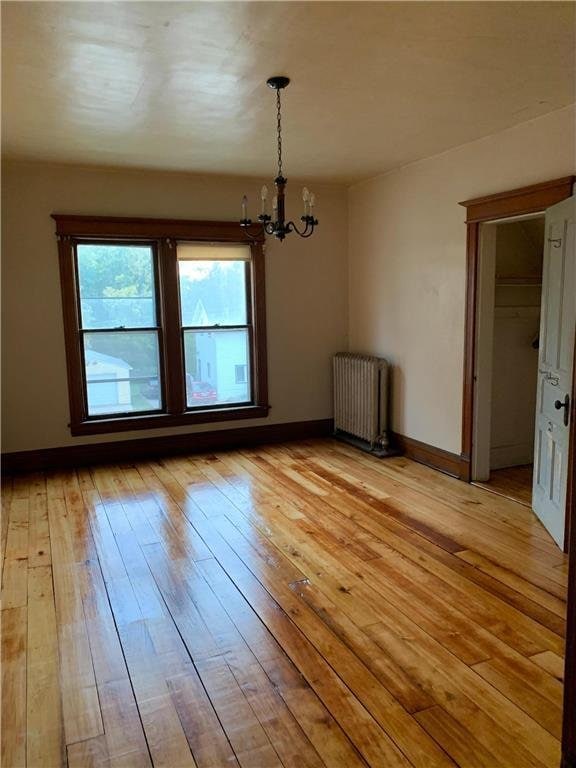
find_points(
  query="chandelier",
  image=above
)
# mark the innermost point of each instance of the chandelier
(276, 224)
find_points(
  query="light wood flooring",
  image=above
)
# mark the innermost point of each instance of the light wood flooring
(512, 482)
(299, 605)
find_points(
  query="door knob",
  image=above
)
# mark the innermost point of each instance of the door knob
(566, 405)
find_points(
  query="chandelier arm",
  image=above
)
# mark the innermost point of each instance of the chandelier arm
(306, 232)
(257, 235)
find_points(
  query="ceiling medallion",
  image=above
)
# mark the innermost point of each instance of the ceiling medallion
(276, 224)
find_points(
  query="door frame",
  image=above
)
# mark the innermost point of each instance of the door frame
(503, 205)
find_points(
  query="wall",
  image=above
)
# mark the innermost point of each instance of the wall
(306, 283)
(407, 254)
(519, 250)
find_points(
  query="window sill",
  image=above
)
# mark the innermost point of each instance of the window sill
(162, 420)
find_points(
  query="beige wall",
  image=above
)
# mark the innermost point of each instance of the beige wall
(407, 242)
(306, 284)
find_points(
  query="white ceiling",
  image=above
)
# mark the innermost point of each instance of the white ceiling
(181, 85)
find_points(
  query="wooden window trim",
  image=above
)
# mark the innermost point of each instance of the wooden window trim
(163, 234)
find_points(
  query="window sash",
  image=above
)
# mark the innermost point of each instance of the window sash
(123, 414)
(198, 251)
(82, 331)
(248, 365)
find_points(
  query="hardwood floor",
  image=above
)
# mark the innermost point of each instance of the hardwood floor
(513, 482)
(296, 605)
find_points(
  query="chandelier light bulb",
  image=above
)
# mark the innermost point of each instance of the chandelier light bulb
(275, 203)
(264, 192)
(244, 208)
(305, 194)
(312, 201)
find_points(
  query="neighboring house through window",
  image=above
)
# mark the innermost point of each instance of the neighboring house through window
(164, 322)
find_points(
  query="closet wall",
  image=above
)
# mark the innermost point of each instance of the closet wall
(519, 248)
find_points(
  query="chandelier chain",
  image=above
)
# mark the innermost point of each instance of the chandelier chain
(279, 128)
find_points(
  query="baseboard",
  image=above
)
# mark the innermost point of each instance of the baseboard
(151, 447)
(511, 455)
(437, 458)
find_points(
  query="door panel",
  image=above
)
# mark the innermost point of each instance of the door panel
(557, 327)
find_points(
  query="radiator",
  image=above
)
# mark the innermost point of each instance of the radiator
(361, 398)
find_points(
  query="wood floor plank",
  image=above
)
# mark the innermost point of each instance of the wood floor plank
(15, 571)
(14, 660)
(91, 753)
(165, 737)
(38, 532)
(551, 662)
(6, 490)
(462, 747)
(81, 708)
(512, 482)
(123, 732)
(296, 605)
(207, 740)
(45, 727)
(531, 700)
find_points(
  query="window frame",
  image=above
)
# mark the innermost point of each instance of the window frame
(163, 235)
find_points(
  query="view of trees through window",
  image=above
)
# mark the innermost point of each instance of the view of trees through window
(117, 301)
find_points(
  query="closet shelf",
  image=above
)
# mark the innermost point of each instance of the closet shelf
(523, 280)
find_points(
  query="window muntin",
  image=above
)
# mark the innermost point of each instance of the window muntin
(119, 329)
(214, 286)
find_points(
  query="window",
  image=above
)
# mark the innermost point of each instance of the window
(240, 374)
(214, 307)
(164, 322)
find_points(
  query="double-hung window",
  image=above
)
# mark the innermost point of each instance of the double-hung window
(164, 322)
(216, 322)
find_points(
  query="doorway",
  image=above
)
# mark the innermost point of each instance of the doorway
(506, 367)
(521, 202)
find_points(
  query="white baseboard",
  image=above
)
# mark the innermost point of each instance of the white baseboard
(511, 455)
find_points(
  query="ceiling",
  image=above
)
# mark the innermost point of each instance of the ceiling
(181, 85)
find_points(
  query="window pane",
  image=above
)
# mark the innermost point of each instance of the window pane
(116, 286)
(212, 361)
(213, 292)
(122, 372)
